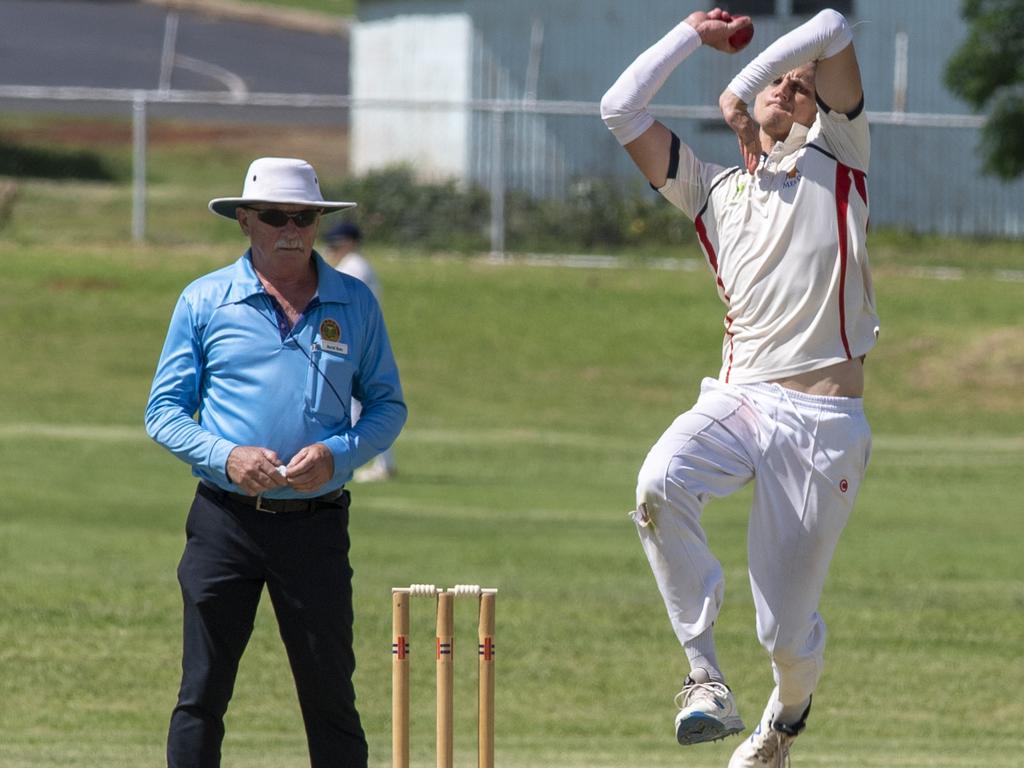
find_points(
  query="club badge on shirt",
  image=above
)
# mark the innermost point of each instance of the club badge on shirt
(330, 337)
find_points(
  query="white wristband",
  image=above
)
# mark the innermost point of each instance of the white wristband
(624, 106)
(820, 38)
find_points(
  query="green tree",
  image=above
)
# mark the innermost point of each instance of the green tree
(988, 71)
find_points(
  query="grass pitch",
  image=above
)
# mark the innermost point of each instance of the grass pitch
(534, 393)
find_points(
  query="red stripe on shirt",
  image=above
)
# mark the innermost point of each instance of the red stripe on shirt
(729, 333)
(860, 179)
(709, 251)
(843, 185)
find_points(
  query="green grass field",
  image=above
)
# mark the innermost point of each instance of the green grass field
(534, 393)
(332, 7)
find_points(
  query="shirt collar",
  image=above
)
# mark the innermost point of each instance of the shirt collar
(795, 140)
(245, 282)
(330, 283)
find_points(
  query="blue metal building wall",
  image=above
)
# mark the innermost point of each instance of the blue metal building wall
(921, 179)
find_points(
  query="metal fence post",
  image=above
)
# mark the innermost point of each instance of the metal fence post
(899, 72)
(139, 167)
(498, 183)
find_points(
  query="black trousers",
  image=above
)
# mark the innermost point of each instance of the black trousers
(231, 551)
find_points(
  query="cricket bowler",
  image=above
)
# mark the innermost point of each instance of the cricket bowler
(783, 234)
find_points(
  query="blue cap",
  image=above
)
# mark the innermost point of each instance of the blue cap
(346, 230)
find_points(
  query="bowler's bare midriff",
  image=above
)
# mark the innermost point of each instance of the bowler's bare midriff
(845, 379)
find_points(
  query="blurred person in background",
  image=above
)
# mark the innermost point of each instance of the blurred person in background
(344, 241)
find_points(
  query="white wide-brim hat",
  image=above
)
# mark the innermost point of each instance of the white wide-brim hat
(285, 180)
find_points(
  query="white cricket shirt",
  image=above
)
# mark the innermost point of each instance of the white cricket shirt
(787, 247)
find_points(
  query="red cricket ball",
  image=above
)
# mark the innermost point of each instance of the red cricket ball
(740, 39)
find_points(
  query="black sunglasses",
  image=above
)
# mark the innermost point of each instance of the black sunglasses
(278, 218)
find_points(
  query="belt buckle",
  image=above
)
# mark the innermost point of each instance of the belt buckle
(261, 508)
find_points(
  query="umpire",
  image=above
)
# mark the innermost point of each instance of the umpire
(253, 390)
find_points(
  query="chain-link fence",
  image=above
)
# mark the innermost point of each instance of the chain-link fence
(515, 152)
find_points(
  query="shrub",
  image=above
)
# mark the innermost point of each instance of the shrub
(596, 215)
(46, 163)
(397, 210)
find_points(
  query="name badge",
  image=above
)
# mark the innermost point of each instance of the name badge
(330, 337)
(337, 347)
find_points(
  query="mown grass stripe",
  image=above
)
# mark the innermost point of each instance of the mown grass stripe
(498, 436)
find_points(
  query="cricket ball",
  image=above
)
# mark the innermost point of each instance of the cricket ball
(740, 39)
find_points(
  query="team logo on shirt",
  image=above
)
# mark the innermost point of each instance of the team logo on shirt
(330, 337)
(330, 330)
(792, 179)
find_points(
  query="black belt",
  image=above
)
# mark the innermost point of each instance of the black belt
(273, 506)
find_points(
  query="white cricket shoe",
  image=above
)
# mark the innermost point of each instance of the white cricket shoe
(707, 710)
(768, 746)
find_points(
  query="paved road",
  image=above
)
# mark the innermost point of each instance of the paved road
(121, 44)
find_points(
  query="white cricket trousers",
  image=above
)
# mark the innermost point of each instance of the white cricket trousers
(807, 456)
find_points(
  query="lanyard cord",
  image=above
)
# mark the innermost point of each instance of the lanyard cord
(307, 355)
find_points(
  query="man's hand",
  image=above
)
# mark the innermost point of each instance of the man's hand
(716, 27)
(254, 469)
(311, 467)
(747, 133)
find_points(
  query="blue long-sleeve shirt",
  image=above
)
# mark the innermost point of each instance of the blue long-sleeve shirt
(232, 374)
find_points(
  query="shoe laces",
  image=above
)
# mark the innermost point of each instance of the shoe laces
(773, 748)
(693, 692)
